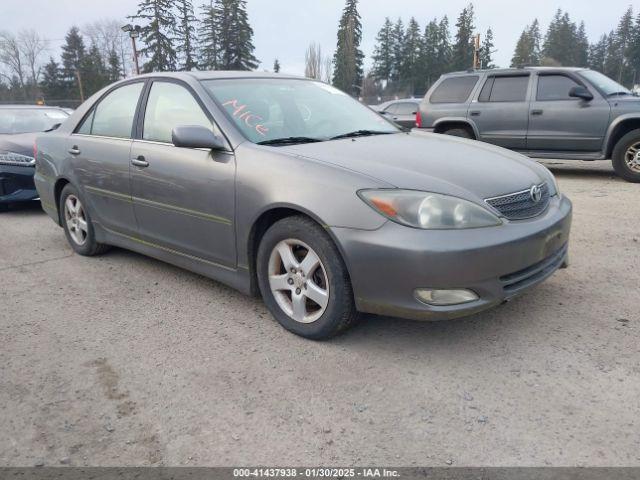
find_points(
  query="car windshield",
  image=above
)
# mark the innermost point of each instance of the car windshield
(281, 111)
(604, 83)
(29, 120)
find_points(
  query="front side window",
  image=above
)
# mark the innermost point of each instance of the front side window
(554, 87)
(454, 90)
(29, 120)
(113, 116)
(267, 109)
(407, 108)
(171, 105)
(507, 89)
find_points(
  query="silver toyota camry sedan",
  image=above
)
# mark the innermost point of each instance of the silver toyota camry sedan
(289, 188)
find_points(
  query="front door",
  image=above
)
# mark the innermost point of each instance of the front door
(559, 122)
(100, 150)
(183, 198)
(501, 112)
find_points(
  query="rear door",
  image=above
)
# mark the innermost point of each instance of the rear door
(183, 198)
(404, 113)
(99, 151)
(559, 122)
(501, 111)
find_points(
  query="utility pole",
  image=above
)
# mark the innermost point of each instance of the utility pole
(79, 78)
(476, 52)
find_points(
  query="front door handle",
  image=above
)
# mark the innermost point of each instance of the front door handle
(537, 112)
(139, 162)
(475, 113)
(74, 150)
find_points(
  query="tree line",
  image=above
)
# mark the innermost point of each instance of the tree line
(217, 35)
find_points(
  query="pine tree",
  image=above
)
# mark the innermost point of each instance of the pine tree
(276, 66)
(114, 69)
(185, 35)
(429, 53)
(581, 47)
(562, 44)
(157, 34)
(208, 32)
(397, 47)
(73, 53)
(463, 47)
(383, 59)
(622, 41)
(348, 59)
(412, 68)
(634, 51)
(535, 38)
(445, 50)
(52, 85)
(486, 50)
(235, 35)
(94, 73)
(598, 54)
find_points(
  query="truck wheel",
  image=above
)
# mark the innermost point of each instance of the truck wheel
(458, 132)
(626, 157)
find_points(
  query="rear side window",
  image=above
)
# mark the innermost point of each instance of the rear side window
(393, 108)
(555, 87)
(171, 105)
(454, 90)
(505, 89)
(113, 116)
(406, 108)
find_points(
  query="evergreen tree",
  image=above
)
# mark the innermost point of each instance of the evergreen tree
(486, 50)
(397, 46)
(634, 51)
(464, 47)
(598, 54)
(235, 35)
(445, 50)
(612, 57)
(383, 54)
(429, 53)
(51, 84)
(562, 44)
(622, 42)
(581, 47)
(208, 32)
(114, 69)
(185, 36)
(411, 68)
(157, 34)
(348, 59)
(94, 73)
(73, 53)
(276, 66)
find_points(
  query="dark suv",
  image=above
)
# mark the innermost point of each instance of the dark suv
(566, 113)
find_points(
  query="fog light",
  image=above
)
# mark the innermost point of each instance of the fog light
(441, 298)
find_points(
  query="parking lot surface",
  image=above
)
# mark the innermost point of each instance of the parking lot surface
(124, 360)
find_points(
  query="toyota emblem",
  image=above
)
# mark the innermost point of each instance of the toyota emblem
(536, 193)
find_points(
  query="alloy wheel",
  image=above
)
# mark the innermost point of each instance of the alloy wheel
(632, 157)
(76, 220)
(298, 281)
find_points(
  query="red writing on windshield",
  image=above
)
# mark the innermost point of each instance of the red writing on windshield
(242, 113)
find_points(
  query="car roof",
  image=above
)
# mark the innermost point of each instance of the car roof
(221, 74)
(515, 70)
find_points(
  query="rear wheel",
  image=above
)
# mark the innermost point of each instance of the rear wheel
(303, 281)
(626, 157)
(458, 132)
(77, 224)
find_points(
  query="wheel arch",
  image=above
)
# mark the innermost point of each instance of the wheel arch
(265, 220)
(448, 123)
(57, 193)
(618, 130)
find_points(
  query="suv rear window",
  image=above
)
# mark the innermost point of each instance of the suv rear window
(454, 90)
(505, 89)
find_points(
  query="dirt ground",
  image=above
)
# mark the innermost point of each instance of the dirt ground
(123, 360)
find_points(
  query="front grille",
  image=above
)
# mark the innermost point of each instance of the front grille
(520, 205)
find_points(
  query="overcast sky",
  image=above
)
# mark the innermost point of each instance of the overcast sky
(283, 28)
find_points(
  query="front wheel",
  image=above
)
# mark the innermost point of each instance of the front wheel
(77, 224)
(303, 280)
(626, 157)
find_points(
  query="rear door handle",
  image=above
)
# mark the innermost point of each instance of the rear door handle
(139, 162)
(74, 150)
(537, 112)
(475, 113)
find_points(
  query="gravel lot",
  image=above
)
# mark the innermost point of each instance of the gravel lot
(124, 360)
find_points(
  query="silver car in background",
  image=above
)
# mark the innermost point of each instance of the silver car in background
(289, 188)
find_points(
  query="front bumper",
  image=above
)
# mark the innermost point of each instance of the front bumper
(497, 263)
(16, 184)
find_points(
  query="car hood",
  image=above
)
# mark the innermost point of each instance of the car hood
(430, 162)
(21, 143)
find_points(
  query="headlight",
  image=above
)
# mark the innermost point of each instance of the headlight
(11, 158)
(554, 183)
(428, 210)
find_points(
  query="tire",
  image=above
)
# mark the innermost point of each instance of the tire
(81, 238)
(301, 237)
(459, 132)
(626, 157)
(4, 207)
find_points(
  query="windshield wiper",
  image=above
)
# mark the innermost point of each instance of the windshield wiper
(360, 133)
(290, 141)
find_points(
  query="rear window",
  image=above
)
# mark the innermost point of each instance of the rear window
(454, 90)
(505, 89)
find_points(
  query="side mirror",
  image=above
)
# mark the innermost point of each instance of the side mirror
(580, 92)
(196, 136)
